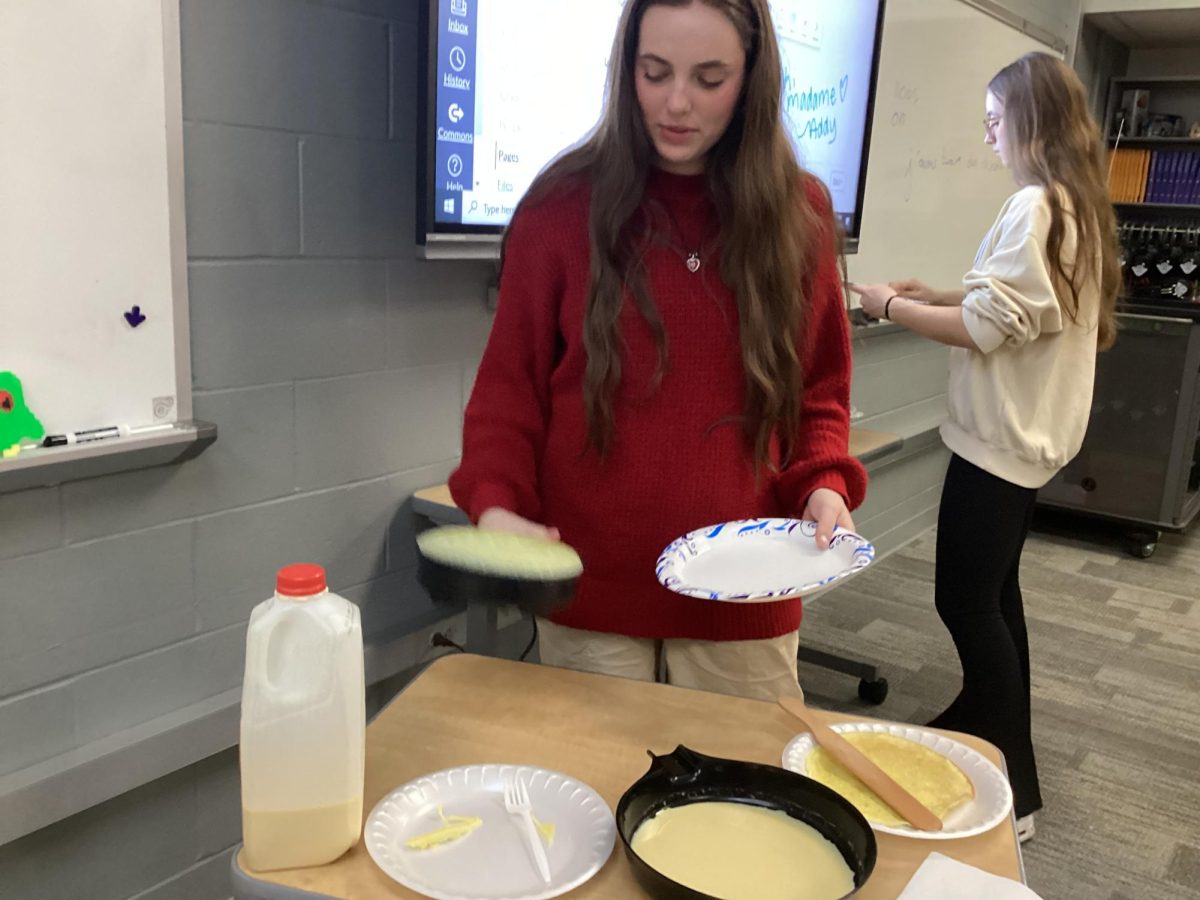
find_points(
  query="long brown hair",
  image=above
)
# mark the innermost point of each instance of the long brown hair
(1054, 141)
(770, 232)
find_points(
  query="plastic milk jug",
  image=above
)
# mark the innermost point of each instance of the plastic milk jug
(303, 724)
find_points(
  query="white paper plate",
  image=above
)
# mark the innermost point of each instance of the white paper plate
(759, 560)
(993, 796)
(493, 862)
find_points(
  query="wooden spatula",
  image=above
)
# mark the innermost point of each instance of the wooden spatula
(890, 792)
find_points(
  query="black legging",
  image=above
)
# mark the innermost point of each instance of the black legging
(982, 525)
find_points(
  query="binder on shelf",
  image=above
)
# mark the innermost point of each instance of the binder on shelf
(1170, 177)
(1127, 182)
(1152, 177)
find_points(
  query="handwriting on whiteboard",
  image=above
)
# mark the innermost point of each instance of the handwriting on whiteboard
(922, 165)
(904, 95)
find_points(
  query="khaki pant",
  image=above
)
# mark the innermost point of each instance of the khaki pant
(761, 670)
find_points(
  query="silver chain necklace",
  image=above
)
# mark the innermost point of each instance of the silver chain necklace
(692, 260)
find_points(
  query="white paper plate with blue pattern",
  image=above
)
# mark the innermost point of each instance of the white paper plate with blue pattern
(760, 560)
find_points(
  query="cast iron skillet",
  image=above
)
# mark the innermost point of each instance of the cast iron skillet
(686, 776)
(447, 584)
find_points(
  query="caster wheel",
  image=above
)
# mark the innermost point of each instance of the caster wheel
(1142, 544)
(874, 692)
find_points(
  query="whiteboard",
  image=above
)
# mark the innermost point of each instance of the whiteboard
(933, 187)
(91, 212)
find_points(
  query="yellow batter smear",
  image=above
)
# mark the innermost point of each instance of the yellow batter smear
(740, 852)
(546, 830)
(453, 828)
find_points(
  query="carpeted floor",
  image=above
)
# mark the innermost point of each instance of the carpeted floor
(1115, 648)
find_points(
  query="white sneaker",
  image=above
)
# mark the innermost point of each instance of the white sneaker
(1025, 829)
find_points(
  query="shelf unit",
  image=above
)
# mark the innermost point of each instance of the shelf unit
(1140, 462)
(1173, 94)
(1156, 143)
(1191, 208)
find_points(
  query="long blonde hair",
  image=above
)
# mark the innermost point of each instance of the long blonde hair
(770, 232)
(1054, 141)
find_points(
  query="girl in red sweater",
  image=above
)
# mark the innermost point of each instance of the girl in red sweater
(670, 350)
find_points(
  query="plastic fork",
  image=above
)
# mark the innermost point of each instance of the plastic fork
(516, 801)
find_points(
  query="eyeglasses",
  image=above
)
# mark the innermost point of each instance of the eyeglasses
(990, 123)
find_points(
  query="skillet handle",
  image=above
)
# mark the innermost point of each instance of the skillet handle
(681, 767)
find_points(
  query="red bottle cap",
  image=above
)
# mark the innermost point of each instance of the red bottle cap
(300, 580)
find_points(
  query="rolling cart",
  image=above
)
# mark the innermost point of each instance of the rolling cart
(1139, 466)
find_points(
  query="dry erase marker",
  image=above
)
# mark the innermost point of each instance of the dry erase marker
(81, 437)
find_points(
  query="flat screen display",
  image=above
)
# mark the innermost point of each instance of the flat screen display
(509, 84)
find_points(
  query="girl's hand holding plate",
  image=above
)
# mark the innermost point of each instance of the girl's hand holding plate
(827, 508)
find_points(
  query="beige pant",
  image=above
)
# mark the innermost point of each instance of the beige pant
(761, 670)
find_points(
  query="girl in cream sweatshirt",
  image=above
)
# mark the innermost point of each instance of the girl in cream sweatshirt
(1025, 328)
(1019, 399)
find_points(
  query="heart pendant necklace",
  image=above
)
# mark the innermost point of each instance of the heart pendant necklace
(692, 258)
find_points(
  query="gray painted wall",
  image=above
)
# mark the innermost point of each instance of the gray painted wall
(1059, 17)
(1159, 61)
(1099, 57)
(335, 366)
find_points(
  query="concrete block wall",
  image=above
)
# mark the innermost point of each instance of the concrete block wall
(335, 365)
(900, 387)
(167, 840)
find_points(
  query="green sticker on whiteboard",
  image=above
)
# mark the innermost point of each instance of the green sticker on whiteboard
(17, 421)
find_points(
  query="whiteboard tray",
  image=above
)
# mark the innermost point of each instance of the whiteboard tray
(46, 466)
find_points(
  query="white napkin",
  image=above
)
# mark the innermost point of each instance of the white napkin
(943, 878)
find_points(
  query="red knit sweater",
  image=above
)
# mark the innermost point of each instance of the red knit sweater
(677, 462)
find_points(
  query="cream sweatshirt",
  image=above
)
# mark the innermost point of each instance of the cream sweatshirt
(1019, 405)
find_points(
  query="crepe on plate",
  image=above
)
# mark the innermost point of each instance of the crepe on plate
(930, 777)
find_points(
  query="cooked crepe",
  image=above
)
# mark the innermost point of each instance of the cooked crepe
(500, 553)
(930, 777)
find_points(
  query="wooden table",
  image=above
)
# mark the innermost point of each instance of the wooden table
(869, 446)
(465, 709)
